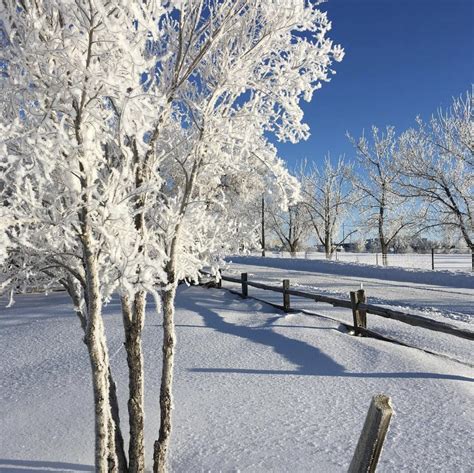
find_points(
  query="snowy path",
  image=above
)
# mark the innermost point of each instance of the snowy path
(256, 390)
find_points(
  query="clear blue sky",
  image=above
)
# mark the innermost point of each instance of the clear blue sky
(403, 58)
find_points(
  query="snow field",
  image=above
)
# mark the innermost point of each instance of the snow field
(256, 390)
(443, 262)
(443, 296)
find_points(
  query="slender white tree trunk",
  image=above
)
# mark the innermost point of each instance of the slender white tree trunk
(105, 457)
(114, 427)
(75, 293)
(112, 459)
(168, 296)
(166, 395)
(133, 318)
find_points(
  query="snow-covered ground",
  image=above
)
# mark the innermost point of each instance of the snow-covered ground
(442, 262)
(256, 390)
(440, 295)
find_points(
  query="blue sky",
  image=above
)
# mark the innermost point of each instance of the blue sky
(403, 58)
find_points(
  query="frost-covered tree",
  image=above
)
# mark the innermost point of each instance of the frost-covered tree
(436, 165)
(328, 195)
(130, 120)
(452, 131)
(290, 225)
(387, 211)
(70, 168)
(265, 67)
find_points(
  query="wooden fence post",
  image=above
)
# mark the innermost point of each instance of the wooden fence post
(359, 316)
(354, 311)
(219, 279)
(286, 296)
(245, 287)
(362, 299)
(372, 437)
(432, 259)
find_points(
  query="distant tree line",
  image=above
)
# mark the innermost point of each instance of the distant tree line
(399, 190)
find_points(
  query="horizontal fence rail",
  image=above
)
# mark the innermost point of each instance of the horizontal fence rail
(357, 303)
(418, 321)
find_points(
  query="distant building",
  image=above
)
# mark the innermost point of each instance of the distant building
(349, 247)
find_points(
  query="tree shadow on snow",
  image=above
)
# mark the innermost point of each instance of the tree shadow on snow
(15, 466)
(308, 360)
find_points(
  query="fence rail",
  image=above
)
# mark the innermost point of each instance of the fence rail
(356, 302)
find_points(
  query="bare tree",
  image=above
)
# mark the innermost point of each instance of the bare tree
(435, 163)
(328, 194)
(388, 212)
(290, 226)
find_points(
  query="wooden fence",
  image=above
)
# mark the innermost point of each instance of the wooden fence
(374, 431)
(357, 303)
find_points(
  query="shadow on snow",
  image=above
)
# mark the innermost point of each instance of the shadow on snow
(308, 360)
(15, 466)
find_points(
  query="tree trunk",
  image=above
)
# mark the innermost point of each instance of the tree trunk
(116, 430)
(166, 396)
(328, 247)
(99, 365)
(384, 249)
(466, 236)
(293, 247)
(383, 244)
(133, 318)
(105, 459)
(327, 234)
(463, 226)
(112, 459)
(74, 291)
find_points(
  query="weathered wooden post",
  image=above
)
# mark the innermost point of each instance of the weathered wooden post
(362, 299)
(354, 311)
(286, 296)
(359, 316)
(219, 279)
(432, 259)
(245, 286)
(372, 437)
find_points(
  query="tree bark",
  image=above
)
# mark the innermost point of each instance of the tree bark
(166, 395)
(133, 318)
(383, 243)
(384, 250)
(99, 365)
(328, 246)
(105, 459)
(117, 431)
(74, 290)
